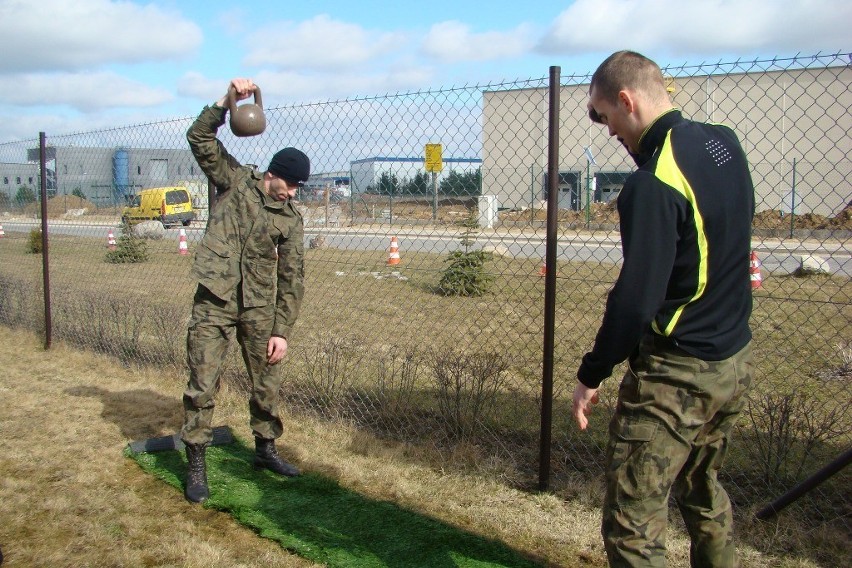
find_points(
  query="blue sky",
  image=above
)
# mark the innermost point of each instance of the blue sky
(92, 64)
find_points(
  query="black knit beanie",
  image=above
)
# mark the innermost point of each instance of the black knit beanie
(291, 164)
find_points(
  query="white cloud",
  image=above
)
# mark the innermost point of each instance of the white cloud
(62, 35)
(350, 84)
(196, 85)
(286, 87)
(319, 43)
(700, 27)
(233, 21)
(81, 91)
(453, 41)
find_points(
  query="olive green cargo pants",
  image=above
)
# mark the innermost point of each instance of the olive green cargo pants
(211, 329)
(670, 432)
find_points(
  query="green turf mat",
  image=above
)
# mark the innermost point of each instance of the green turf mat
(312, 516)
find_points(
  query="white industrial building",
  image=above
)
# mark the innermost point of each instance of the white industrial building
(795, 127)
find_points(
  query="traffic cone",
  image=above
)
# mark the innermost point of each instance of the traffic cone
(182, 248)
(393, 255)
(754, 272)
(2, 232)
(110, 240)
(543, 270)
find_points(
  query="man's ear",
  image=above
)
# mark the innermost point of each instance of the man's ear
(627, 101)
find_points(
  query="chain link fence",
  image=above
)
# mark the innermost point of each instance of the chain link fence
(444, 348)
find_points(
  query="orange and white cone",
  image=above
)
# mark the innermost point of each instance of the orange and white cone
(754, 271)
(543, 270)
(110, 240)
(182, 248)
(2, 232)
(393, 255)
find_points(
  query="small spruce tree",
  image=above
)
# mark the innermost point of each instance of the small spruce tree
(128, 248)
(465, 274)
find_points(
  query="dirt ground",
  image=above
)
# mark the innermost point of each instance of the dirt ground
(766, 219)
(773, 219)
(60, 205)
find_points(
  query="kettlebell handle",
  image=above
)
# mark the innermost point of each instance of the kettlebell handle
(232, 98)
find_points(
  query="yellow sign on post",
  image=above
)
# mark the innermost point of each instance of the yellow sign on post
(434, 161)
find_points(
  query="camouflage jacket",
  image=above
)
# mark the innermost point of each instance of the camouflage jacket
(250, 238)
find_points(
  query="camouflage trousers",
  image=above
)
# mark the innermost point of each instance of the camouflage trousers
(669, 435)
(214, 323)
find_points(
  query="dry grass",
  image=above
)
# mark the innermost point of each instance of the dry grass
(85, 404)
(69, 498)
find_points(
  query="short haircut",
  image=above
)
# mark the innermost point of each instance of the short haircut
(627, 70)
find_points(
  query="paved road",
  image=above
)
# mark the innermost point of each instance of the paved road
(776, 256)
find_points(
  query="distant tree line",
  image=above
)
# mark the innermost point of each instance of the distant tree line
(465, 184)
(26, 195)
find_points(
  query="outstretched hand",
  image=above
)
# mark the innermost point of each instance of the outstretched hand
(584, 399)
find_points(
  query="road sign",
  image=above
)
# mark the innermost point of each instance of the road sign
(434, 162)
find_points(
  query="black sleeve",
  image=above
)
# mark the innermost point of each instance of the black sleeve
(648, 212)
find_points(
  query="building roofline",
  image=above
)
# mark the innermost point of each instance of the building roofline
(413, 160)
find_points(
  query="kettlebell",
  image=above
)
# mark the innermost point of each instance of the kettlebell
(247, 119)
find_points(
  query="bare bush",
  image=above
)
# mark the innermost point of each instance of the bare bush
(105, 324)
(18, 304)
(325, 368)
(467, 386)
(394, 392)
(789, 428)
(169, 333)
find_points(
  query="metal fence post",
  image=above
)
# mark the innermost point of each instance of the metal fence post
(549, 282)
(45, 257)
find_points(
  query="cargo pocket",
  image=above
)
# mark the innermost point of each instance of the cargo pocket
(259, 278)
(634, 468)
(263, 271)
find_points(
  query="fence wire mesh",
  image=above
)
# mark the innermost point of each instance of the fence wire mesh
(444, 347)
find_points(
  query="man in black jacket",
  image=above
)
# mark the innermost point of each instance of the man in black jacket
(678, 313)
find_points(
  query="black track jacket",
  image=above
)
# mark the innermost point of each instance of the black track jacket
(685, 218)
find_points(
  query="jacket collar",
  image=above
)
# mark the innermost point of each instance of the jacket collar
(655, 135)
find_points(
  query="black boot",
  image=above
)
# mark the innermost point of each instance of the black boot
(266, 457)
(196, 475)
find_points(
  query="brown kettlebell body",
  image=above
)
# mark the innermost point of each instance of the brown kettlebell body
(247, 119)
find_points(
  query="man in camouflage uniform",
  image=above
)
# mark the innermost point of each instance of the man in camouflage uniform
(250, 272)
(678, 313)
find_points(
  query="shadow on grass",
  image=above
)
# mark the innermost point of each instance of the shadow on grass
(314, 517)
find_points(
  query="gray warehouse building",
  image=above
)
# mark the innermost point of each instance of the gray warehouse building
(106, 176)
(13, 176)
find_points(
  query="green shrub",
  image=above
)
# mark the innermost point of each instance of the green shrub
(129, 248)
(25, 195)
(34, 244)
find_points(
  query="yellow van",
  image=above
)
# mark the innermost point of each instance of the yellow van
(169, 205)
